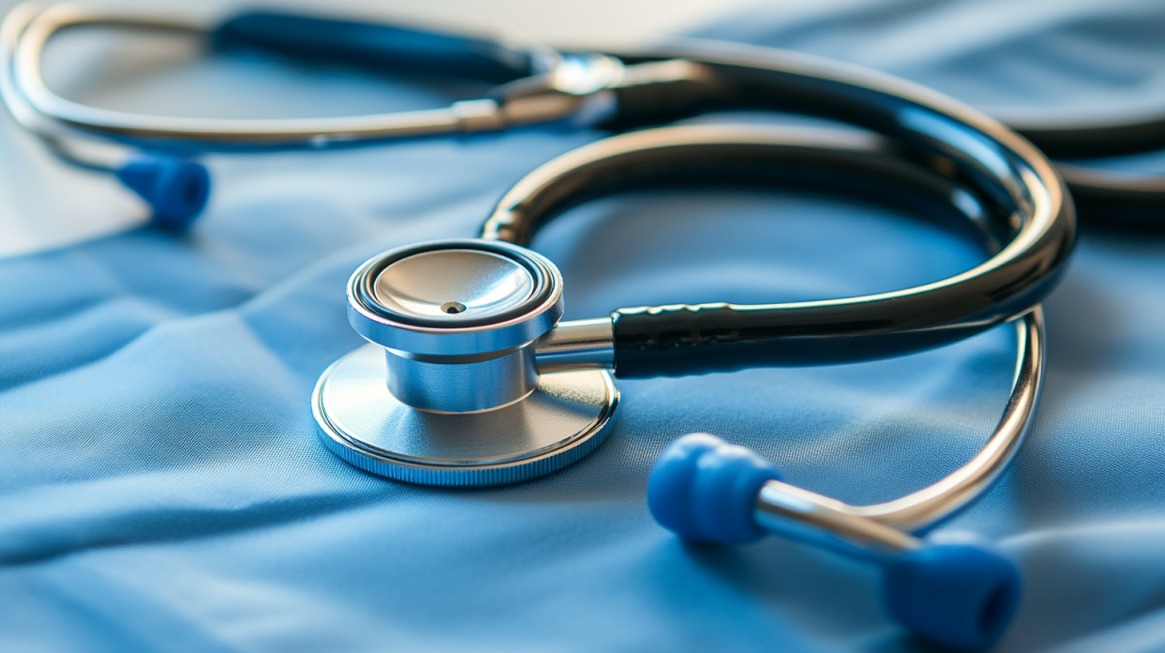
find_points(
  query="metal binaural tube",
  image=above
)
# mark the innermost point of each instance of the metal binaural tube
(886, 528)
(807, 516)
(934, 503)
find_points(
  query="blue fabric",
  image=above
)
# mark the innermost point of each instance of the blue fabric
(162, 486)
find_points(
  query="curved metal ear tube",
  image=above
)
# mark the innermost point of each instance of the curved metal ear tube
(954, 589)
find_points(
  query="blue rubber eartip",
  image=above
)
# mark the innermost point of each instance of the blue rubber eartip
(957, 590)
(702, 488)
(176, 189)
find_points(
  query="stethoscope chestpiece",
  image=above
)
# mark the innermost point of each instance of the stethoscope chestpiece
(454, 318)
(449, 391)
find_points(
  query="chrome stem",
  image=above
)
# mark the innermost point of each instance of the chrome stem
(577, 344)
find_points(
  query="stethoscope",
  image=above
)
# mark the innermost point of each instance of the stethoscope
(538, 85)
(471, 379)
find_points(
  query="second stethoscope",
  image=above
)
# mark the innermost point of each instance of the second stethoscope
(538, 85)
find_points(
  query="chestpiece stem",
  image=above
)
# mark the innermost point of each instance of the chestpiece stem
(577, 344)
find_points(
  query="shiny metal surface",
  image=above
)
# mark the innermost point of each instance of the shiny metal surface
(452, 284)
(461, 384)
(810, 517)
(419, 324)
(566, 416)
(15, 22)
(449, 392)
(96, 156)
(884, 528)
(942, 499)
(577, 344)
(457, 321)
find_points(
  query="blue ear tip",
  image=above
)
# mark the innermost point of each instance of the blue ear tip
(956, 590)
(176, 189)
(669, 487)
(702, 488)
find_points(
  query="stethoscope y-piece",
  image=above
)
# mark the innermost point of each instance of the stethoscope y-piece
(537, 85)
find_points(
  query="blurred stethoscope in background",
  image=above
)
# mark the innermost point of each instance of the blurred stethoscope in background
(537, 85)
(471, 379)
